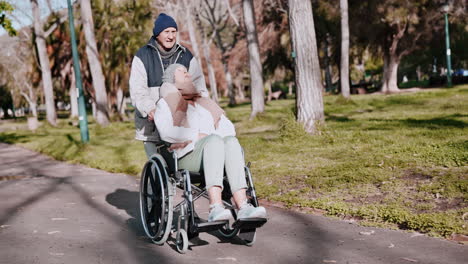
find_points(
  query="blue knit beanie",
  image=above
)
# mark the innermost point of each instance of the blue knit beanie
(162, 22)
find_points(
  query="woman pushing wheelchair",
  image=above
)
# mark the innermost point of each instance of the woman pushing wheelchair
(203, 139)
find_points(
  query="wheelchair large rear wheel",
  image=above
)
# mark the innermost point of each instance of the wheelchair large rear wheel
(156, 200)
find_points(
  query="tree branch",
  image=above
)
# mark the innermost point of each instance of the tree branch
(231, 14)
(51, 29)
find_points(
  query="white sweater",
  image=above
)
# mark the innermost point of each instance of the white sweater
(200, 121)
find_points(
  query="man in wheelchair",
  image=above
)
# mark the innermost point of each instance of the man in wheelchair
(203, 138)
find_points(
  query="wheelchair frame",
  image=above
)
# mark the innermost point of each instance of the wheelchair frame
(158, 188)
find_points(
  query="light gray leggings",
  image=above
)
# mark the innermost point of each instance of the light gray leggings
(214, 154)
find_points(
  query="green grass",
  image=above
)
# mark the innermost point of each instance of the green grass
(388, 160)
(111, 148)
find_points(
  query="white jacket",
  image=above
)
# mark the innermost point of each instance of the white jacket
(200, 121)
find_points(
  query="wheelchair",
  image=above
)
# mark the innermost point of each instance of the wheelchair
(160, 217)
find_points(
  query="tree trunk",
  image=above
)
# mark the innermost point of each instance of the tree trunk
(344, 72)
(227, 74)
(211, 72)
(256, 78)
(240, 87)
(31, 103)
(120, 102)
(309, 87)
(393, 81)
(209, 64)
(230, 87)
(268, 87)
(191, 29)
(73, 95)
(418, 73)
(45, 65)
(328, 78)
(390, 80)
(290, 88)
(94, 108)
(102, 114)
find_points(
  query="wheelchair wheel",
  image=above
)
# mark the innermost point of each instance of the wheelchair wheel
(228, 232)
(182, 241)
(156, 200)
(250, 239)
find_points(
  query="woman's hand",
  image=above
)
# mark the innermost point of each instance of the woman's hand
(151, 115)
(179, 145)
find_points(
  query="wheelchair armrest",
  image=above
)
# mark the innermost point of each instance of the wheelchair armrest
(163, 144)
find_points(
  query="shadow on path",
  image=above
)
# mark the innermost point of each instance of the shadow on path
(129, 201)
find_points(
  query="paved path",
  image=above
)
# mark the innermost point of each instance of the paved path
(55, 212)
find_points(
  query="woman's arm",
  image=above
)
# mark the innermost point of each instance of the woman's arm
(225, 127)
(167, 130)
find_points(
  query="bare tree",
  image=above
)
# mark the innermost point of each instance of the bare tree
(73, 94)
(326, 61)
(102, 113)
(309, 99)
(190, 9)
(344, 66)
(191, 29)
(209, 65)
(17, 66)
(68, 71)
(256, 78)
(218, 16)
(44, 62)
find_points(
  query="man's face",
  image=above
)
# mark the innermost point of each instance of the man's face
(181, 75)
(167, 38)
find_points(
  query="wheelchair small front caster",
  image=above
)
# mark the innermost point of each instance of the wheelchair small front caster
(249, 236)
(250, 241)
(228, 232)
(182, 241)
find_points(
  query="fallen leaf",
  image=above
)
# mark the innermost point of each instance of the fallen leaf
(59, 219)
(329, 261)
(410, 260)
(391, 245)
(367, 233)
(53, 232)
(416, 234)
(228, 258)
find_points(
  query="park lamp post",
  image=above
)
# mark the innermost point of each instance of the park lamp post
(445, 10)
(76, 67)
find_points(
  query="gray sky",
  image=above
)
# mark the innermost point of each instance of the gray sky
(22, 16)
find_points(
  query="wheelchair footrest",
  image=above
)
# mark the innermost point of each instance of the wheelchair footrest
(249, 223)
(209, 226)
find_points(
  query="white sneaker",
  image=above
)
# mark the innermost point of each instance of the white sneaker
(249, 211)
(218, 213)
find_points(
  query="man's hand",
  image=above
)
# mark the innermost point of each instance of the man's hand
(151, 115)
(179, 145)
